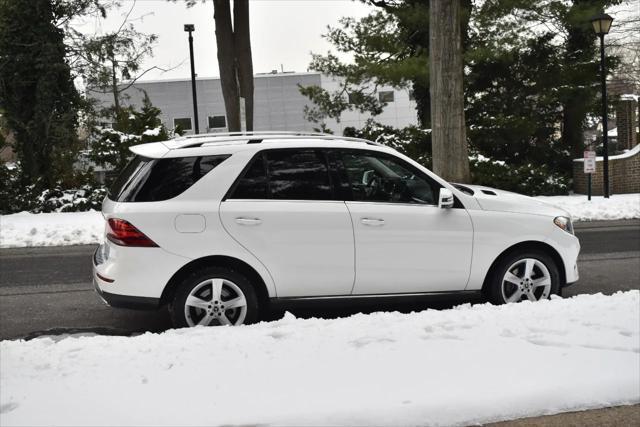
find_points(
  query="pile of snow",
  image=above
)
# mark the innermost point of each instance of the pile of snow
(470, 364)
(51, 229)
(618, 206)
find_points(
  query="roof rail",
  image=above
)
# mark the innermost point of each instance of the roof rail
(251, 133)
(256, 137)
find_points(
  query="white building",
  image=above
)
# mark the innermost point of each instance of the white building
(278, 104)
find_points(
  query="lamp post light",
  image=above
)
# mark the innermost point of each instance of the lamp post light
(190, 28)
(601, 25)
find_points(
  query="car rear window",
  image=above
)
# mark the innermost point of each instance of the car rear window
(153, 180)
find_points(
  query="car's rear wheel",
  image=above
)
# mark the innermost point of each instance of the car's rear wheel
(215, 296)
(530, 275)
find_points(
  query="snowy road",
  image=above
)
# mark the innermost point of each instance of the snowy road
(44, 288)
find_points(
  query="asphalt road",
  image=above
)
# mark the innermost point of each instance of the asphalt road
(49, 290)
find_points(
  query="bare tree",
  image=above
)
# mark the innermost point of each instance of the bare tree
(449, 140)
(227, 62)
(234, 60)
(113, 62)
(244, 60)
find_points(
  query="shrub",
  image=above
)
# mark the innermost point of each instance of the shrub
(410, 141)
(15, 198)
(529, 179)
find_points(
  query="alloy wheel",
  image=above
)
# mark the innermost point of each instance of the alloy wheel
(527, 278)
(215, 302)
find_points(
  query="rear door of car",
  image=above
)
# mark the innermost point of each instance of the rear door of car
(283, 208)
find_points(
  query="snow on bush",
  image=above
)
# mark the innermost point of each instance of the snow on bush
(468, 365)
(51, 229)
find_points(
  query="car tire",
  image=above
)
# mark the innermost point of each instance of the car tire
(529, 275)
(214, 296)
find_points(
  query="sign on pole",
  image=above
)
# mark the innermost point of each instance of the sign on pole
(589, 169)
(589, 162)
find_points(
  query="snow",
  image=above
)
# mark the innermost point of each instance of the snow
(629, 97)
(51, 229)
(625, 155)
(467, 365)
(152, 132)
(81, 228)
(618, 206)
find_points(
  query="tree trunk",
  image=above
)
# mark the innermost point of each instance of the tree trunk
(117, 109)
(244, 61)
(226, 63)
(449, 140)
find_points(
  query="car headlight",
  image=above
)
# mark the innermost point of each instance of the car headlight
(564, 223)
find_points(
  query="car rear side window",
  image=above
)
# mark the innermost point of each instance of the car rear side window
(153, 180)
(298, 175)
(290, 174)
(253, 184)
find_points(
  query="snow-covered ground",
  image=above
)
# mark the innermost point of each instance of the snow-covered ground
(470, 364)
(51, 229)
(618, 206)
(78, 228)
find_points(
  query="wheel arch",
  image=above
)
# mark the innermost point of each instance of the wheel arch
(527, 246)
(218, 261)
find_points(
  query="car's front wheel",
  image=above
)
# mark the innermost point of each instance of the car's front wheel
(530, 275)
(214, 296)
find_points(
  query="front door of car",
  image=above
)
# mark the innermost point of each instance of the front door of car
(405, 243)
(283, 211)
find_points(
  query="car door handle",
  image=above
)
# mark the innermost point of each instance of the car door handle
(372, 222)
(248, 221)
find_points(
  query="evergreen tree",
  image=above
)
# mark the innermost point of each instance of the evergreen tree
(37, 95)
(110, 146)
(531, 72)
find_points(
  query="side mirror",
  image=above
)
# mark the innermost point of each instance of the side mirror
(445, 199)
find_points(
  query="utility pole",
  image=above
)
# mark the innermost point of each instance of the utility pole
(190, 28)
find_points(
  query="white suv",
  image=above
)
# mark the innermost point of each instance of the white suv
(222, 226)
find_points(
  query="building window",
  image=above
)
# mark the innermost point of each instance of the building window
(412, 95)
(217, 122)
(352, 98)
(386, 96)
(182, 123)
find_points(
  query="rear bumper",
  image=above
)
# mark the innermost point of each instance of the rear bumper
(126, 301)
(133, 278)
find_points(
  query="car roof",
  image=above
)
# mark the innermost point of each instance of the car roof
(204, 144)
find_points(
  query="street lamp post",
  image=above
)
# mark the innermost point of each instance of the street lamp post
(601, 25)
(190, 28)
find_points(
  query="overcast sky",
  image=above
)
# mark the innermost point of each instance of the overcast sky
(283, 32)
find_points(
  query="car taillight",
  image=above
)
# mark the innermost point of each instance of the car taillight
(123, 233)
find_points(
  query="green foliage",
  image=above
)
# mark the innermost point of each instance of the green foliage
(544, 50)
(529, 179)
(110, 146)
(513, 111)
(410, 141)
(15, 197)
(37, 95)
(389, 46)
(531, 78)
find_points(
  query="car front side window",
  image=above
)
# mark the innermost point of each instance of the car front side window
(378, 177)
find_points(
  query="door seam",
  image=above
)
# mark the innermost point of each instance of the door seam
(353, 233)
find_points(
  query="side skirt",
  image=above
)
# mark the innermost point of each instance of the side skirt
(375, 299)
